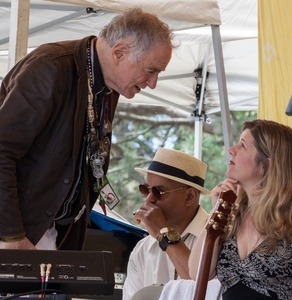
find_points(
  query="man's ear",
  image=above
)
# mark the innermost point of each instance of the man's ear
(119, 51)
(193, 196)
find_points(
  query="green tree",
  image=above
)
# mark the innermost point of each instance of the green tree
(139, 130)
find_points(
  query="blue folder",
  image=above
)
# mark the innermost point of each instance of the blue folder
(107, 223)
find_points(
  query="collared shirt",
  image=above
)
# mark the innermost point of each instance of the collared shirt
(149, 265)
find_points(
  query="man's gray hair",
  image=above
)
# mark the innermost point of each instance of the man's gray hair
(138, 29)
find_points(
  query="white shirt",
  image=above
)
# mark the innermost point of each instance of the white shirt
(149, 265)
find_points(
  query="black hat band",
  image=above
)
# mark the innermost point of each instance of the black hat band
(175, 172)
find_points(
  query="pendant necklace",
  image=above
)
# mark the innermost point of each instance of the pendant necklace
(97, 122)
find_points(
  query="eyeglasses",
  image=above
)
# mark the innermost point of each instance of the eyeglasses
(145, 190)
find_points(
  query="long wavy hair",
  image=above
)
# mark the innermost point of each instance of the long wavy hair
(272, 212)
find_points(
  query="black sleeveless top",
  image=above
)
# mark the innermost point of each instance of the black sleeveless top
(260, 275)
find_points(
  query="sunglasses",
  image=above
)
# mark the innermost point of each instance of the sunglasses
(145, 190)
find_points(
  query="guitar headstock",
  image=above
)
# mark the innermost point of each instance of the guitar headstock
(221, 217)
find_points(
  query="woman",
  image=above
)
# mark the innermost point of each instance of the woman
(254, 260)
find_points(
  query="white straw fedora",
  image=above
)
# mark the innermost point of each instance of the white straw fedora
(178, 166)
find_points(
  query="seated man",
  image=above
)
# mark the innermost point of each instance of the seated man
(172, 216)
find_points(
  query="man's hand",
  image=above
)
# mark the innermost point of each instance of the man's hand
(22, 244)
(151, 217)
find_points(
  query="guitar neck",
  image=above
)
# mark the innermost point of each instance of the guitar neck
(217, 225)
(204, 269)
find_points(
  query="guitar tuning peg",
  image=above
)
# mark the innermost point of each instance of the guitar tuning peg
(215, 226)
(220, 216)
(235, 206)
(224, 204)
(232, 217)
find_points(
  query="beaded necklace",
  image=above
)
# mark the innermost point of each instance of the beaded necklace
(98, 125)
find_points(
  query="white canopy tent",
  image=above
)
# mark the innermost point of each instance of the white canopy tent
(218, 37)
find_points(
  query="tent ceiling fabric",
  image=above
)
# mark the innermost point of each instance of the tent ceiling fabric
(197, 11)
(51, 21)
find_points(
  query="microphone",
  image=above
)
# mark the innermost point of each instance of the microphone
(289, 108)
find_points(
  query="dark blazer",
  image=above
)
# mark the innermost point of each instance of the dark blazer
(43, 107)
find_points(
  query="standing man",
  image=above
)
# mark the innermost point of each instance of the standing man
(173, 217)
(56, 111)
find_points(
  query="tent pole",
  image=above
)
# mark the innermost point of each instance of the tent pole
(198, 131)
(223, 97)
(18, 36)
(198, 126)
